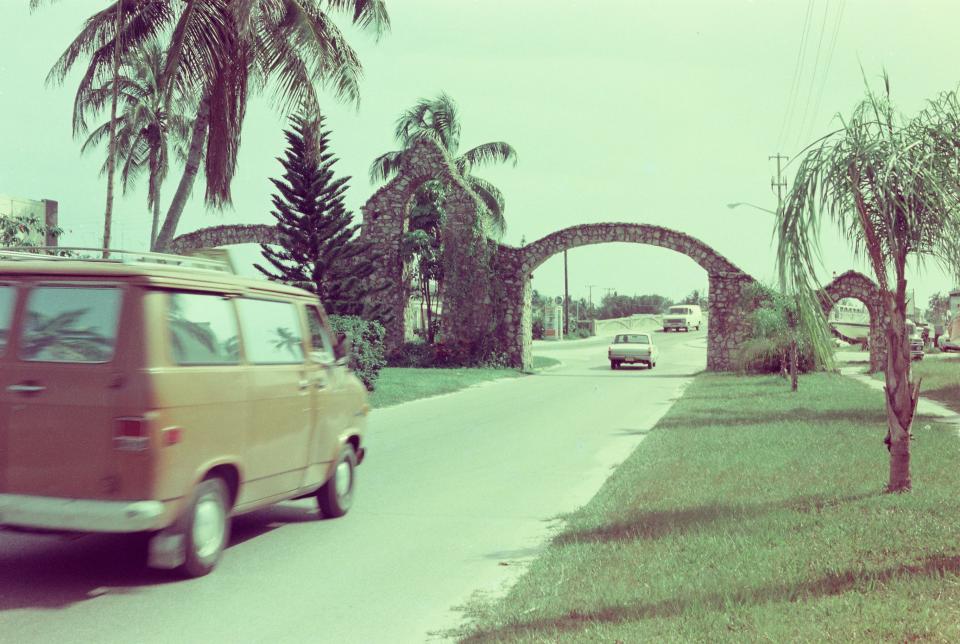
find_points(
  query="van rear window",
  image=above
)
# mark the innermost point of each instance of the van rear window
(203, 329)
(70, 324)
(6, 314)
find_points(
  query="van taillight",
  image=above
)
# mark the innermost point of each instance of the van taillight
(131, 434)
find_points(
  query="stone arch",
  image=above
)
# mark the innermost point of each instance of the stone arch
(857, 285)
(215, 236)
(385, 222)
(727, 326)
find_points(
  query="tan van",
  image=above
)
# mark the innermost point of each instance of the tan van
(161, 395)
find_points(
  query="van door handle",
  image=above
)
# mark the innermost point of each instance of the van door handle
(304, 383)
(26, 389)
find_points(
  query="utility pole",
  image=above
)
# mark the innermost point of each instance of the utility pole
(590, 288)
(566, 295)
(779, 184)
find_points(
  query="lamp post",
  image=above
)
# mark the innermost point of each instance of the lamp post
(737, 204)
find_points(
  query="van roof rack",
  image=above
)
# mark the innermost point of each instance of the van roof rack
(117, 256)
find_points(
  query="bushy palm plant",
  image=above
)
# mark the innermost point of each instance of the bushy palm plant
(437, 119)
(891, 187)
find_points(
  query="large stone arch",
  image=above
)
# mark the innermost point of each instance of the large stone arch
(385, 221)
(859, 286)
(727, 325)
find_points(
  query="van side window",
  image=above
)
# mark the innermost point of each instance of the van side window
(6, 314)
(272, 332)
(319, 336)
(203, 329)
(70, 324)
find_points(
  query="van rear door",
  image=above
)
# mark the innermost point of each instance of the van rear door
(59, 383)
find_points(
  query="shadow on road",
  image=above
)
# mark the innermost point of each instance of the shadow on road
(56, 571)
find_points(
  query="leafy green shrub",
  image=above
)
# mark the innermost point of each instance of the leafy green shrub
(367, 340)
(763, 355)
(420, 355)
(417, 355)
(581, 332)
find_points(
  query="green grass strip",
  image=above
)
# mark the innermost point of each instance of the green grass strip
(398, 385)
(751, 514)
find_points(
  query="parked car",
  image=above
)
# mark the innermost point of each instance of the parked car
(164, 396)
(632, 348)
(947, 344)
(683, 316)
(914, 332)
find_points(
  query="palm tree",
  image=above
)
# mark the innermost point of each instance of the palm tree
(891, 186)
(144, 128)
(220, 51)
(437, 119)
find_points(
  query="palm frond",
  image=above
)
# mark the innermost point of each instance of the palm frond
(386, 166)
(367, 14)
(493, 204)
(495, 152)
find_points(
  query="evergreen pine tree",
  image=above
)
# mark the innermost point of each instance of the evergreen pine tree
(320, 250)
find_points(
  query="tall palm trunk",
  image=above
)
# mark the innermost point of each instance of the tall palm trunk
(198, 137)
(154, 192)
(902, 395)
(112, 152)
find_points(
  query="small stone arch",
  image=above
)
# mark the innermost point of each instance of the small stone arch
(727, 325)
(857, 285)
(215, 236)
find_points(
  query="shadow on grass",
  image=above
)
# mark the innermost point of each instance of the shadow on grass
(828, 585)
(722, 417)
(658, 524)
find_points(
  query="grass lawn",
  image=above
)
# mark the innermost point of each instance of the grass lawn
(941, 379)
(399, 384)
(542, 362)
(753, 514)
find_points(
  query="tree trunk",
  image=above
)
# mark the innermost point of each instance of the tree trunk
(794, 367)
(902, 395)
(112, 151)
(154, 195)
(426, 292)
(194, 155)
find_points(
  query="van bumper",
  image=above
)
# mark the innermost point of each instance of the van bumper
(82, 515)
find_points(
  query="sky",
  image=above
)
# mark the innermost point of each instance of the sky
(657, 112)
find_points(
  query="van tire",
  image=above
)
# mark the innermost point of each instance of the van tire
(334, 499)
(204, 547)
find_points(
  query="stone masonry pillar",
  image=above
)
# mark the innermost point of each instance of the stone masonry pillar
(727, 323)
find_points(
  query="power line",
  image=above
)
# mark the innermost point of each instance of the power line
(813, 75)
(826, 69)
(795, 83)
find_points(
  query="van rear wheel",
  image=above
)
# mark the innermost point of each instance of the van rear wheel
(336, 495)
(207, 527)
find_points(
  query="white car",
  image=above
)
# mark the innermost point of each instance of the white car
(632, 348)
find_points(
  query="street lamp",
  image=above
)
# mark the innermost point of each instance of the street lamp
(737, 204)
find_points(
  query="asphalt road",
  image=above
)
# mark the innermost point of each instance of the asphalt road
(457, 493)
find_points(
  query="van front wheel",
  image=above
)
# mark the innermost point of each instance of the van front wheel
(208, 527)
(336, 495)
